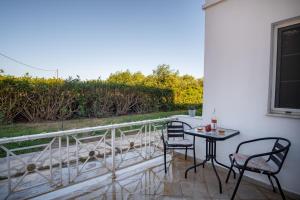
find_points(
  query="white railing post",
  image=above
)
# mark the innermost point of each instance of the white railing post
(8, 171)
(68, 159)
(150, 150)
(60, 160)
(149, 141)
(50, 161)
(113, 153)
(145, 141)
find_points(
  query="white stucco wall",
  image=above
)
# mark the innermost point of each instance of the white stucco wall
(236, 78)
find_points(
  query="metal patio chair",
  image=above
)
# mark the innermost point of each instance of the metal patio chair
(269, 163)
(175, 139)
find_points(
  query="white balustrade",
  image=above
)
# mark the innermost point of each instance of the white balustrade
(58, 159)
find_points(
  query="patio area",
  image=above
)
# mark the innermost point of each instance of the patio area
(148, 181)
(120, 161)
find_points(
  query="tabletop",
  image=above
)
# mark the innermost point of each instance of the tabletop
(215, 135)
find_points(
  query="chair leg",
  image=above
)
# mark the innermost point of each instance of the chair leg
(279, 187)
(274, 190)
(228, 175)
(185, 153)
(237, 184)
(165, 159)
(194, 149)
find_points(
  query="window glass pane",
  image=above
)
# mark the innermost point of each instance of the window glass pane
(290, 40)
(287, 94)
(290, 68)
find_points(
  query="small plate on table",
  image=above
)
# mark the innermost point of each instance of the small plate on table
(221, 132)
(200, 129)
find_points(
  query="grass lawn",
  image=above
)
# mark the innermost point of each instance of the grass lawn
(19, 129)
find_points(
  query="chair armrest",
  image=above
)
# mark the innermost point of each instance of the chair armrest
(254, 140)
(262, 155)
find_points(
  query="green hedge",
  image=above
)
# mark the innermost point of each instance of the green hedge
(36, 99)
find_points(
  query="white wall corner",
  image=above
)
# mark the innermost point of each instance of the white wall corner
(210, 3)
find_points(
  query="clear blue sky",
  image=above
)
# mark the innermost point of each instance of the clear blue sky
(95, 38)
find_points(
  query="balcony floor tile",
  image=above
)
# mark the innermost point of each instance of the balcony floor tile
(152, 183)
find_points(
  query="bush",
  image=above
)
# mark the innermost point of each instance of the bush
(34, 99)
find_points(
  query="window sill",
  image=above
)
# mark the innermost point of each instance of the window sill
(283, 115)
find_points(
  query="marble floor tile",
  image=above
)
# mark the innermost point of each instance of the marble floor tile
(151, 183)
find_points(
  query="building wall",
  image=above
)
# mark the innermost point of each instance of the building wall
(236, 78)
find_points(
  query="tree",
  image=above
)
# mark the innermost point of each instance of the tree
(163, 77)
(126, 78)
(187, 89)
(164, 71)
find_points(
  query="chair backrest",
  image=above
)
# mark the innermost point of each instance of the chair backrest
(280, 152)
(176, 129)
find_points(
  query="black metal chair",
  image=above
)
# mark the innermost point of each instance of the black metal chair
(175, 139)
(269, 163)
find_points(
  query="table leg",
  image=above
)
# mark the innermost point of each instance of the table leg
(215, 159)
(207, 158)
(219, 180)
(210, 155)
(206, 153)
(193, 167)
(234, 174)
(212, 146)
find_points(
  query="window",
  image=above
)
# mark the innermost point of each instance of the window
(285, 68)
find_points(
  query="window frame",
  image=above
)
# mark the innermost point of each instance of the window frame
(272, 110)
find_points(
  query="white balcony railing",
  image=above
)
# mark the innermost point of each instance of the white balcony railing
(35, 164)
